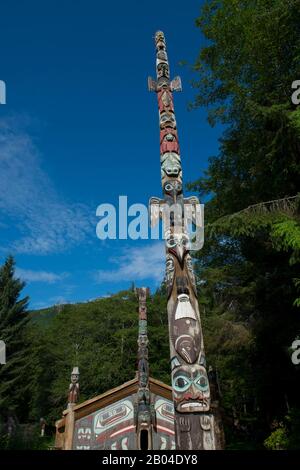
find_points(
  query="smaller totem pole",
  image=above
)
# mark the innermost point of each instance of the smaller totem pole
(144, 414)
(73, 395)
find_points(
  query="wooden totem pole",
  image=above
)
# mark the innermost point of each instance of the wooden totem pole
(194, 421)
(73, 397)
(144, 415)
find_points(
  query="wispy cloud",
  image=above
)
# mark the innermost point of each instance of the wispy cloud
(136, 264)
(46, 223)
(58, 300)
(39, 305)
(40, 276)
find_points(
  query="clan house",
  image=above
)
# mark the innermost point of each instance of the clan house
(137, 415)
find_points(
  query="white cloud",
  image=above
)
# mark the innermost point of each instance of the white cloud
(40, 276)
(46, 223)
(58, 300)
(136, 264)
(39, 305)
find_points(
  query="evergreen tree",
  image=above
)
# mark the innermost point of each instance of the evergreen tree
(249, 265)
(13, 319)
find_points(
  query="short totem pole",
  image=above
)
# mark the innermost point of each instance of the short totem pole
(73, 395)
(194, 421)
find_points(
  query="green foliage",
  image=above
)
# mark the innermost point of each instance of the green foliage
(25, 437)
(13, 320)
(249, 266)
(278, 440)
(43, 346)
(286, 235)
(286, 434)
(101, 338)
(245, 76)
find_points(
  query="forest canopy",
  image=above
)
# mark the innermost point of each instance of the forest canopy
(250, 261)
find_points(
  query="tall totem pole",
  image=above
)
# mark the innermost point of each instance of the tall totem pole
(194, 422)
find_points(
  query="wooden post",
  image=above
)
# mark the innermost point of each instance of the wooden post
(69, 427)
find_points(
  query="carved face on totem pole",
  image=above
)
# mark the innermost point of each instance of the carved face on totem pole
(143, 395)
(169, 136)
(170, 165)
(191, 389)
(163, 70)
(170, 145)
(142, 293)
(162, 82)
(168, 141)
(177, 243)
(75, 375)
(74, 386)
(160, 40)
(162, 55)
(173, 188)
(142, 312)
(143, 341)
(165, 102)
(166, 99)
(144, 414)
(74, 378)
(167, 119)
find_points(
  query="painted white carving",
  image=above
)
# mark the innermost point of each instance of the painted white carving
(184, 308)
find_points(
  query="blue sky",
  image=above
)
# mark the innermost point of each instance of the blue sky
(79, 129)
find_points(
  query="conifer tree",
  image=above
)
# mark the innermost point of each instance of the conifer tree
(13, 318)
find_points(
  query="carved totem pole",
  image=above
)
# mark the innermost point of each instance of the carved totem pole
(144, 413)
(194, 422)
(73, 395)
